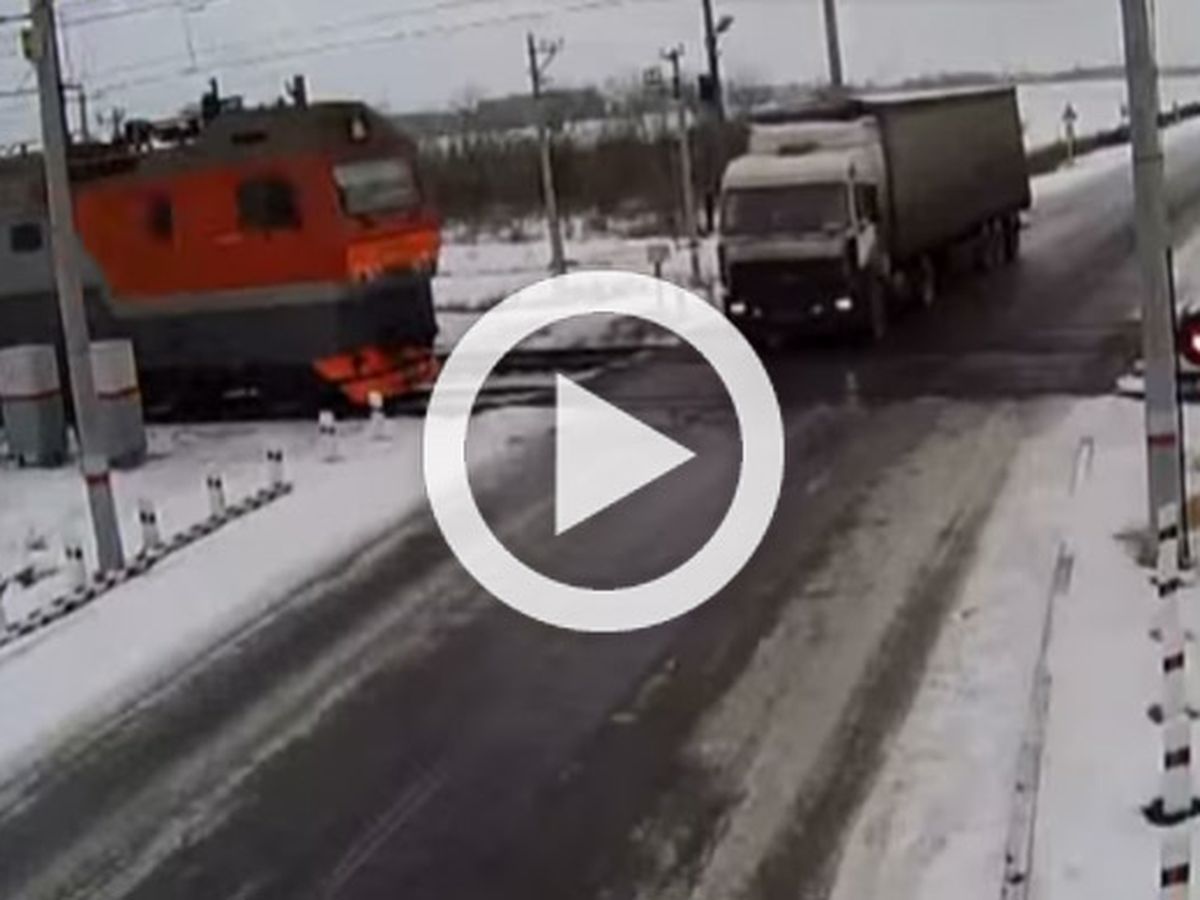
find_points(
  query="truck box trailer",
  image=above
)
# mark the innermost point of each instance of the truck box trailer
(840, 211)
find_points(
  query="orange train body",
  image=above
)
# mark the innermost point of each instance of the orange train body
(261, 240)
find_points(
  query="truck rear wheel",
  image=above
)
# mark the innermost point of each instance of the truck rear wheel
(1012, 239)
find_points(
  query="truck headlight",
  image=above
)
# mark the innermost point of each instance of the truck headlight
(843, 304)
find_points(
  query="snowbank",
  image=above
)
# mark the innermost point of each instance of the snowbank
(940, 815)
(86, 666)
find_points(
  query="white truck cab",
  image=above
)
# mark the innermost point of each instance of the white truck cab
(805, 197)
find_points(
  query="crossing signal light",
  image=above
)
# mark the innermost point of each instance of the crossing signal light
(1189, 338)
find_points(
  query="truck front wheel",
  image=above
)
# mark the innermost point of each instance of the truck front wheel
(1012, 239)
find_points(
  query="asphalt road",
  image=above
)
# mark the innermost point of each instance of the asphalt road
(396, 733)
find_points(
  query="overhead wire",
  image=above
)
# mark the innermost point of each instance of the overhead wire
(163, 72)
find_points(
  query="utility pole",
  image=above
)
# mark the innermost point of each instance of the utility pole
(833, 43)
(85, 129)
(42, 48)
(1163, 425)
(714, 61)
(540, 56)
(673, 56)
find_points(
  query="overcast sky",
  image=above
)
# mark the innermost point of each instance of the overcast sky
(423, 53)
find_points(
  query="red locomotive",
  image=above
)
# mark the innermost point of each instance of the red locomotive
(239, 246)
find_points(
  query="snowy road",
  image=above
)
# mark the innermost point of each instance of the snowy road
(396, 733)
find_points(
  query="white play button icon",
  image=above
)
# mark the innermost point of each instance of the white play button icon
(602, 454)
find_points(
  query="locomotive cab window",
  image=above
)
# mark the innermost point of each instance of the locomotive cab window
(267, 204)
(25, 238)
(160, 218)
(376, 186)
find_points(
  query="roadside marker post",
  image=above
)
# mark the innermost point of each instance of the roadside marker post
(151, 534)
(1069, 118)
(327, 436)
(76, 570)
(378, 424)
(275, 473)
(217, 508)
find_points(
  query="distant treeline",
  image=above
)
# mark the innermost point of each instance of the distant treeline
(487, 178)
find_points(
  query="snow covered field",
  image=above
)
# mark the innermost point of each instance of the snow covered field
(1097, 103)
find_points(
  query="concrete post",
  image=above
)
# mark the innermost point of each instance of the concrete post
(1163, 432)
(43, 47)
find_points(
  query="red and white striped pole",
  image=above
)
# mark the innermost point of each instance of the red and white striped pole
(1177, 769)
(1176, 795)
(1176, 870)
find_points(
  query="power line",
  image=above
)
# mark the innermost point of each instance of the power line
(124, 12)
(328, 27)
(335, 46)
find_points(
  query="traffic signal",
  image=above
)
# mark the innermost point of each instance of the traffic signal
(1189, 338)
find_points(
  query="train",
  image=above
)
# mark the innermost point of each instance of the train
(285, 250)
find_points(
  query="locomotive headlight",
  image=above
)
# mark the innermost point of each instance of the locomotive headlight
(359, 130)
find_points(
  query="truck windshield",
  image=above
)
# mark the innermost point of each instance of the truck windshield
(796, 209)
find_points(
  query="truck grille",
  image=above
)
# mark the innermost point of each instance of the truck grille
(791, 282)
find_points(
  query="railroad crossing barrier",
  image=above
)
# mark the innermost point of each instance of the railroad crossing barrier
(119, 401)
(31, 403)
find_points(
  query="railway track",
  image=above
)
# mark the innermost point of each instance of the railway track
(523, 377)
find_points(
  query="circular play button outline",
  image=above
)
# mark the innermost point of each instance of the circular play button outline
(523, 588)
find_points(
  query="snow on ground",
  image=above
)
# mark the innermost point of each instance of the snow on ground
(936, 822)
(943, 807)
(92, 662)
(941, 812)
(477, 274)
